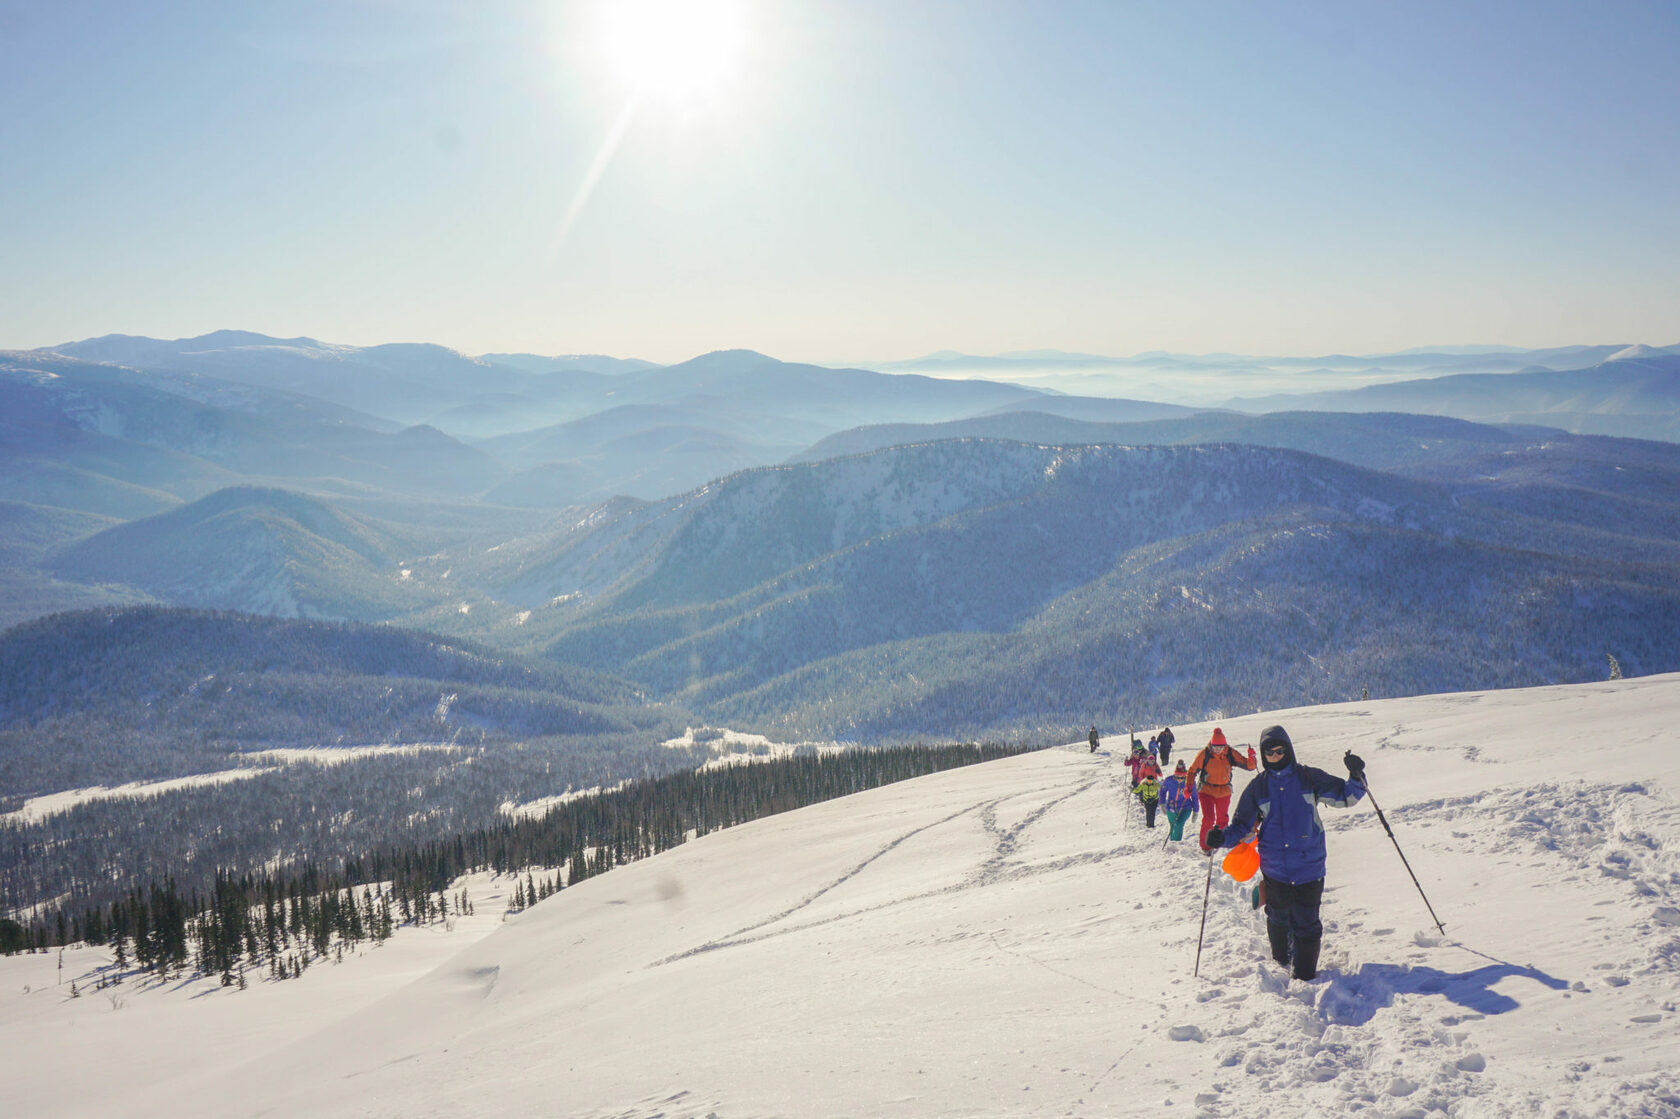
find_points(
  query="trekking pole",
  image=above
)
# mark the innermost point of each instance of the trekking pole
(1206, 890)
(1384, 820)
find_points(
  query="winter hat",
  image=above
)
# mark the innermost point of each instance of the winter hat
(1218, 738)
(1180, 768)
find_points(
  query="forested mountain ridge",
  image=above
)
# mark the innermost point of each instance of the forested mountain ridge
(1378, 440)
(260, 550)
(283, 742)
(404, 382)
(737, 532)
(105, 696)
(928, 586)
(1295, 605)
(63, 409)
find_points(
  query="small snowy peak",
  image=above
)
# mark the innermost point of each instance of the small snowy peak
(1636, 352)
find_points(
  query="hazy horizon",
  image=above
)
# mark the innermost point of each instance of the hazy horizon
(1049, 355)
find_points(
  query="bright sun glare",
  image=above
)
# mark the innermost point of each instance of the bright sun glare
(674, 50)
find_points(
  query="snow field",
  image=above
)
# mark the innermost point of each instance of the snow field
(1002, 941)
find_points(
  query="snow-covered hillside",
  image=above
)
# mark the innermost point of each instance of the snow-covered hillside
(1003, 940)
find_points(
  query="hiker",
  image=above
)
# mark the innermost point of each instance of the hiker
(1134, 762)
(1214, 763)
(1149, 791)
(1164, 741)
(1179, 799)
(1149, 769)
(1283, 800)
(1094, 740)
(1154, 748)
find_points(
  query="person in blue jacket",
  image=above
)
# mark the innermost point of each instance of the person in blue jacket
(1283, 800)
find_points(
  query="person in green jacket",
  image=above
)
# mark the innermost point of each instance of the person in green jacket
(1149, 791)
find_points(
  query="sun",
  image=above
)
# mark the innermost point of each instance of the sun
(674, 50)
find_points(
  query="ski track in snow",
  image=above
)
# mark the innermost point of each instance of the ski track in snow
(1315, 1043)
(997, 867)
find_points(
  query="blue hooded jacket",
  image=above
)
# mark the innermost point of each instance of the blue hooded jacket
(1284, 801)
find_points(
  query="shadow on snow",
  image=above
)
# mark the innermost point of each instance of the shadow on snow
(1353, 1000)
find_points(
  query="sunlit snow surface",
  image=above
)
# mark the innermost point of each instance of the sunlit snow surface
(1001, 940)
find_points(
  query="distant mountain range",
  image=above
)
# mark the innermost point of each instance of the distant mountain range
(1439, 359)
(1635, 392)
(856, 553)
(1237, 380)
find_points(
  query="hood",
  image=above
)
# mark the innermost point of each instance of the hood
(1273, 736)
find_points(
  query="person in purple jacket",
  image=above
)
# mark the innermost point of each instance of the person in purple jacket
(1283, 800)
(1179, 799)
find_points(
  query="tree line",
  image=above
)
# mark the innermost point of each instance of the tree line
(276, 923)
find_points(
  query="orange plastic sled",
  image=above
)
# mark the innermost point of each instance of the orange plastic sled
(1244, 861)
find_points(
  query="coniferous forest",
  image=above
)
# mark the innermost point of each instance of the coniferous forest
(275, 923)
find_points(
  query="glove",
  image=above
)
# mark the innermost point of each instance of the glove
(1252, 758)
(1216, 837)
(1355, 765)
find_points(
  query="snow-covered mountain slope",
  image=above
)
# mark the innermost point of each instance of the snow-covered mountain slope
(1006, 940)
(1038, 587)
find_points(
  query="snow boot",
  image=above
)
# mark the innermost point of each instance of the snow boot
(1306, 958)
(1280, 942)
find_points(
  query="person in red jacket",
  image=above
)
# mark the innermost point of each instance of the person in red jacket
(1214, 763)
(1135, 760)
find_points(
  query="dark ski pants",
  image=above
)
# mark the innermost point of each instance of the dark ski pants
(1149, 807)
(1166, 755)
(1292, 924)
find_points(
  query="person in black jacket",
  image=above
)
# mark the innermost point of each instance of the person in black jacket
(1283, 800)
(1094, 740)
(1164, 743)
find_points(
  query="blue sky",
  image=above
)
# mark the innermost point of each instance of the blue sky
(870, 180)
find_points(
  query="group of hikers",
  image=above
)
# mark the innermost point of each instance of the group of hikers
(1278, 809)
